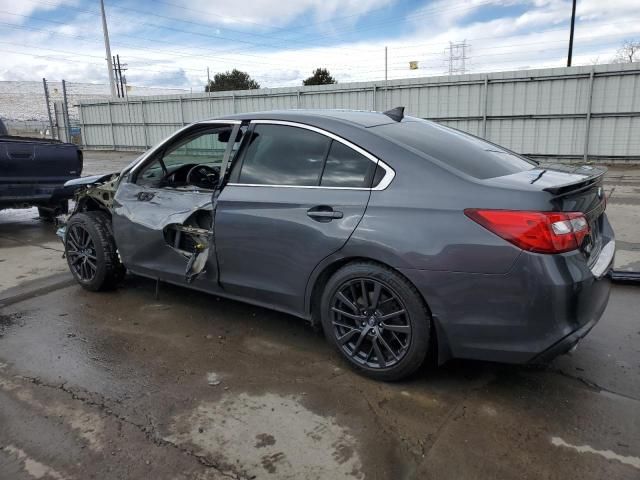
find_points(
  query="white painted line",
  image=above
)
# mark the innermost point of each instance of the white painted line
(608, 454)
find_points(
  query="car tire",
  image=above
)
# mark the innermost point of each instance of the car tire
(91, 251)
(399, 323)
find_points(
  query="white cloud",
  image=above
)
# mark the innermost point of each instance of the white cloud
(21, 9)
(266, 13)
(537, 38)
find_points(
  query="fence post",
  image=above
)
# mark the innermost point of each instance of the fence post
(144, 125)
(374, 97)
(113, 133)
(486, 102)
(587, 126)
(65, 113)
(181, 111)
(46, 98)
(233, 102)
(82, 141)
(57, 124)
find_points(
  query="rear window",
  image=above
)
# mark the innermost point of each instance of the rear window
(346, 168)
(467, 154)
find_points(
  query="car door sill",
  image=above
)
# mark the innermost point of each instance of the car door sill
(220, 292)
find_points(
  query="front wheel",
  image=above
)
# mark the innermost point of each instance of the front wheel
(91, 251)
(377, 320)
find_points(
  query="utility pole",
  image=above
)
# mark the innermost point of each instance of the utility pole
(208, 81)
(120, 75)
(573, 23)
(120, 81)
(115, 75)
(107, 49)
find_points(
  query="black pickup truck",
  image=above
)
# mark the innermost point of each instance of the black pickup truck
(33, 172)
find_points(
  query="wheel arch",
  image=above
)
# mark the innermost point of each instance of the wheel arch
(332, 264)
(90, 204)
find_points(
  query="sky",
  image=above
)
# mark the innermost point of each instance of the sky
(170, 43)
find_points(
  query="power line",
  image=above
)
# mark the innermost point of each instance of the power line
(208, 57)
(424, 13)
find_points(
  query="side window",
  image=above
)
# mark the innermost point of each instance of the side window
(204, 146)
(204, 149)
(283, 155)
(347, 168)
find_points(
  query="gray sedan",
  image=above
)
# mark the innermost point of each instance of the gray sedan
(399, 236)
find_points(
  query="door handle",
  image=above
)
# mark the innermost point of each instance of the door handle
(324, 214)
(145, 196)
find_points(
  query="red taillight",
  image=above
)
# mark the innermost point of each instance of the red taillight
(541, 232)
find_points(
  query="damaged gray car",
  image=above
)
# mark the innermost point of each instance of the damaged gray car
(397, 235)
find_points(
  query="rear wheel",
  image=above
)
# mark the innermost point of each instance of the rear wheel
(377, 320)
(91, 251)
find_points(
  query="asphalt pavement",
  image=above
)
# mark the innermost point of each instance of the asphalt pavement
(126, 385)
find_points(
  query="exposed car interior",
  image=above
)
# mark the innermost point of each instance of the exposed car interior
(192, 163)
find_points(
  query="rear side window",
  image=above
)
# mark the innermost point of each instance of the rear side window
(283, 155)
(466, 153)
(347, 168)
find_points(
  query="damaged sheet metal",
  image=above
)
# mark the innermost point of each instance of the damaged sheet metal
(196, 265)
(97, 188)
(175, 225)
(162, 208)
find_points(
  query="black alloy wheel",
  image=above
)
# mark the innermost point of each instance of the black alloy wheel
(91, 251)
(81, 252)
(376, 319)
(370, 323)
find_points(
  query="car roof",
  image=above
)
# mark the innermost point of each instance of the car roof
(360, 118)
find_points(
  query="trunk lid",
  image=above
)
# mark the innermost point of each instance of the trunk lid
(571, 189)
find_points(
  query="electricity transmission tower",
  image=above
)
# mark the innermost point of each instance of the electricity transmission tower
(457, 57)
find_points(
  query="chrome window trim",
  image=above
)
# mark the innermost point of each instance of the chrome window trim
(145, 156)
(384, 183)
(296, 186)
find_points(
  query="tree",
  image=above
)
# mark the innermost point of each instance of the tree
(233, 80)
(321, 76)
(629, 52)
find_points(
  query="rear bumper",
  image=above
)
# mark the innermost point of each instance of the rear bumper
(541, 308)
(566, 344)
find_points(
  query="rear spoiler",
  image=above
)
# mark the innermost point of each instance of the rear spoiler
(593, 175)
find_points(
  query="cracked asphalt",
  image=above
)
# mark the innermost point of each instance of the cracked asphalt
(122, 385)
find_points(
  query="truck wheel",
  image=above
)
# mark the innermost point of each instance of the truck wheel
(377, 320)
(50, 212)
(91, 251)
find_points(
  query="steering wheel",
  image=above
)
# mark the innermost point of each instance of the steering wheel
(203, 176)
